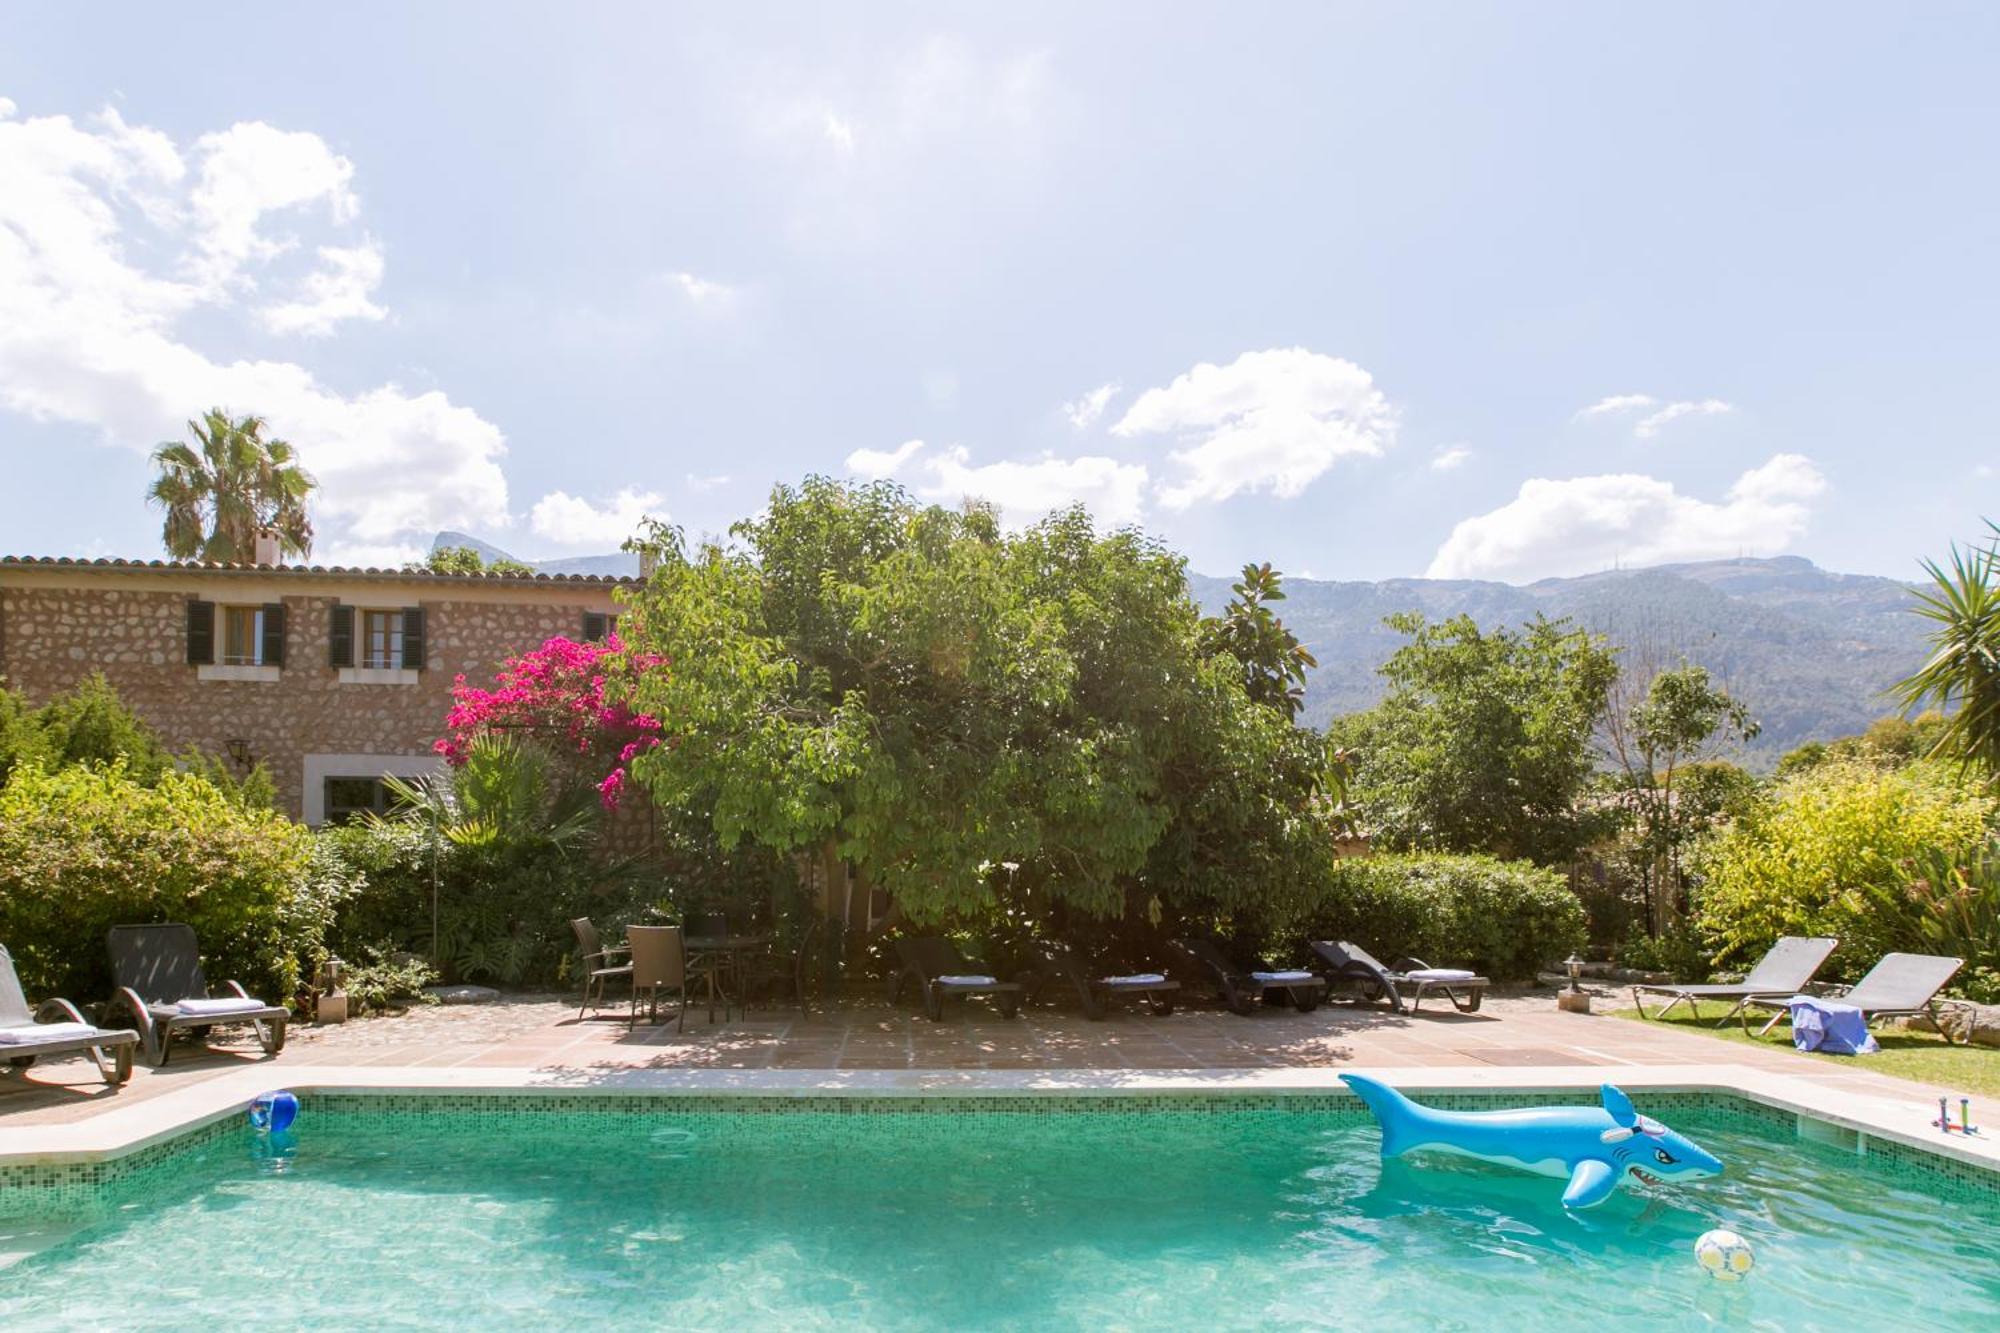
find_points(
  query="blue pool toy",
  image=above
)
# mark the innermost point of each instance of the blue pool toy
(274, 1112)
(1595, 1148)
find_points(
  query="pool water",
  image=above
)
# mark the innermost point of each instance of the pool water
(981, 1219)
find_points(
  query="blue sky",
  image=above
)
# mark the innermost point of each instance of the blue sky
(1364, 290)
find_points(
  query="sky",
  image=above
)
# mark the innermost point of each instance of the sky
(1363, 290)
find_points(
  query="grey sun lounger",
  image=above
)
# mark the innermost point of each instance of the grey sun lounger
(1243, 985)
(1783, 971)
(56, 1028)
(942, 972)
(1900, 985)
(157, 971)
(1059, 962)
(1350, 964)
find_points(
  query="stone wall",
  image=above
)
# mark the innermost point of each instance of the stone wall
(54, 633)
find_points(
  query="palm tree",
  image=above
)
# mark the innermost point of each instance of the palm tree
(1963, 602)
(226, 486)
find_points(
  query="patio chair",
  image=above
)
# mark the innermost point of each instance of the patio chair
(598, 963)
(1351, 965)
(56, 1028)
(157, 972)
(1786, 968)
(942, 972)
(1242, 984)
(1899, 986)
(660, 963)
(1094, 988)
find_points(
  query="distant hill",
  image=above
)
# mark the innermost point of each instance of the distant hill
(1809, 651)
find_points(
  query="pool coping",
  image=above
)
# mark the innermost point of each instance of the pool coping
(120, 1131)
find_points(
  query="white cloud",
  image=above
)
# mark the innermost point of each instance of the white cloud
(1024, 491)
(108, 239)
(702, 291)
(1450, 457)
(1615, 404)
(1268, 421)
(1084, 412)
(1707, 407)
(700, 484)
(839, 133)
(569, 521)
(1649, 425)
(1583, 524)
(7, 107)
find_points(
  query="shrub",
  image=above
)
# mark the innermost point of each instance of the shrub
(86, 848)
(390, 981)
(1829, 853)
(1503, 918)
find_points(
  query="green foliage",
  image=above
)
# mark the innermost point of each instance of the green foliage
(466, 560)
(1506, 919)
(908, 689)
(254, 788)
(231, 483)
(1483, 743)
(1889, 742)
(1962, 674)
(90, 724)
(1274, 662)
(1681, 951)
(21, 741)
(85, 848)
(389, 980)
(1948, 903)
(1828, 853)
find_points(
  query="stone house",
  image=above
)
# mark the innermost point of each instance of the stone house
(330, 677)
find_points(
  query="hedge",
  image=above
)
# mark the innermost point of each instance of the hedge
(85, 848)
(1505, 919)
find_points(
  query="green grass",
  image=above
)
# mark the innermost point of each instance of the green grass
(1921, 1056)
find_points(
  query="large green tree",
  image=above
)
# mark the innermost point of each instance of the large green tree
(1962, 675)
(1484, 740)
(967, 719)
(227, 483)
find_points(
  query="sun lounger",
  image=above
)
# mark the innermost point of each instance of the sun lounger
(1784, 970)
(1351, 965)
(56, 1028)
(1243, 983)
(1899, 986)
(1095, 988)
(157, 970)
(942, 972)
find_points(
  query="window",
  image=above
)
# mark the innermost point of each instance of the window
(381, 639)
(242, 636)
(349, 797)
(598, 625)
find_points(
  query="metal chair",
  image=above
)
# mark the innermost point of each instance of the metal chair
(659, 963)
(596, 962)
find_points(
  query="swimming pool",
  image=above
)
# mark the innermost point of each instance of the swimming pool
(408, 1211)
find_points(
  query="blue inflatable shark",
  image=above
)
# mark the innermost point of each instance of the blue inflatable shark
(1594, 1148)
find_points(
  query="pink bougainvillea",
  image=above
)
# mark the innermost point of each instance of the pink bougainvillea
(556, 695)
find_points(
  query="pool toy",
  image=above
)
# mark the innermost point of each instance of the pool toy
(1964, 1125)
(1724, 1255)
(1595, 1148)
(274, 1112)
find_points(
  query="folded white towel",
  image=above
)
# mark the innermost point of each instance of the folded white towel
(1271, 978)
(1441, 974)
(30, 1033)
(1137, 979)
(228, 1005)
(968, 981)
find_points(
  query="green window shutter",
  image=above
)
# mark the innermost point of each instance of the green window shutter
(593, 626)
(201, 632)
(274, 634)
(413, 638)
(340, 636)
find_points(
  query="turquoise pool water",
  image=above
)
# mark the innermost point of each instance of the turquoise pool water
(981, 1219)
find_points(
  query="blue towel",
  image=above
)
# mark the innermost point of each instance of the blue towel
(1823, 1025)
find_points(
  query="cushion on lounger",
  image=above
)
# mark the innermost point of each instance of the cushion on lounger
(1279, 978)
(1441, 974)
(969, 981)
(206, 1008)
(27, 1033)
(1137, 979)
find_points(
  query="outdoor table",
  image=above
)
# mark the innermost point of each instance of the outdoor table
(721, 950)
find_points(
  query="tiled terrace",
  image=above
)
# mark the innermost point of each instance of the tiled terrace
(543, 1033)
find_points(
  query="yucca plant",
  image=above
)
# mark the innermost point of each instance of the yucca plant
(1962, 674)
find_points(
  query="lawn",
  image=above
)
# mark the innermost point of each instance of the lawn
(1922, 1056)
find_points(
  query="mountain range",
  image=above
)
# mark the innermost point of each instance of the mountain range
(1810, 652)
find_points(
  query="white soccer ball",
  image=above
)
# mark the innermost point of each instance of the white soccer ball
(1724, 1255)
